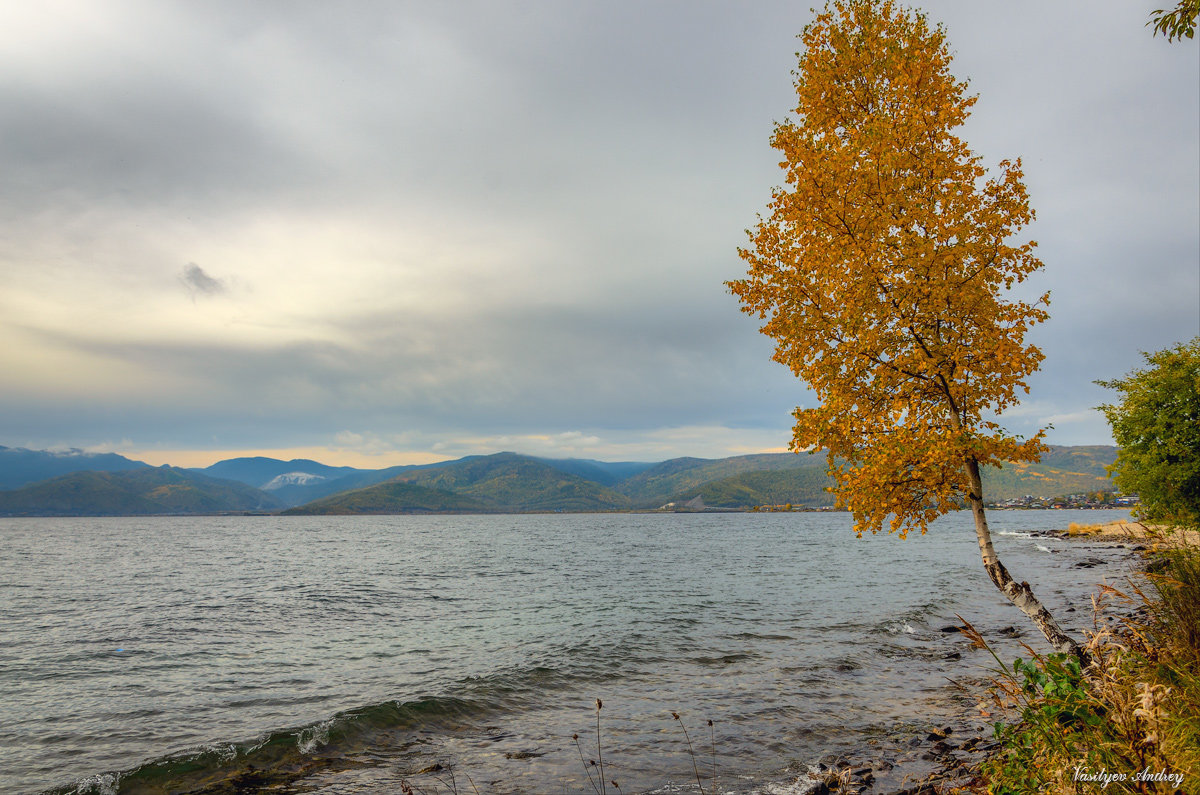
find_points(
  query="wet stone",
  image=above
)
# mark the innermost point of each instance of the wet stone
(940, 734)
(865, 775)
(835, 762)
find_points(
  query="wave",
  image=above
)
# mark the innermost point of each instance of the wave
(284, 755)
(721, 660)
(901, 627)
(758, 636)
(915, 621)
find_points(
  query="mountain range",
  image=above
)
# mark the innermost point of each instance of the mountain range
(74, 483)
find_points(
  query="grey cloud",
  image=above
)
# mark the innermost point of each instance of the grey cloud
(140, 143)
(546, 369)
(200, 283)
(474, 108)
(629, 139)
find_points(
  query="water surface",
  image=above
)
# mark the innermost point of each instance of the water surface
(345, 653)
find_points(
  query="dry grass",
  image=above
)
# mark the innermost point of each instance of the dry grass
(1075, 529)
(1157, 535)
(1130, 722)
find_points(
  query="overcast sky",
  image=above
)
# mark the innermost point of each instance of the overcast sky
(392, 232)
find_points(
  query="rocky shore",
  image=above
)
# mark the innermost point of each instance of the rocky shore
(941, 760)
(946, 758)
(1151, 535)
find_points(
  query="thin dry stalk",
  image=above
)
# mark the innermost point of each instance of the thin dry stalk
(599, 751)
(583, 761)
(691, 751)
(712, 737)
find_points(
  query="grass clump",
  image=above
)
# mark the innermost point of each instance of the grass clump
(1130, 720)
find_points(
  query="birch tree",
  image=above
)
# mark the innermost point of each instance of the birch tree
(883, 273)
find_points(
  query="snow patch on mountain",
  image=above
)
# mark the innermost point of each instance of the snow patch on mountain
(292, 479)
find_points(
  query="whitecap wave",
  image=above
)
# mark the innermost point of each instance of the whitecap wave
(103, 784)
(313, 737)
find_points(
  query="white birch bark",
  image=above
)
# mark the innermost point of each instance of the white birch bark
(1019, 593)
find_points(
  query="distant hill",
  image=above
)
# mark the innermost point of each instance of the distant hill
(20, 467)
(499, 482)
(669, 480)
(800, 487)
(603, 472)
(516, 482)
(1086, 459)
(291, 482)
(391, 497)
(801, 479)
(300, 494)
(147, 490)
(301, 480)
(258, 471)
(1039, 480)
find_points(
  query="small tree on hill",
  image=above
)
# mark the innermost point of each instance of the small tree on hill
(1157, 429)
(880, 272)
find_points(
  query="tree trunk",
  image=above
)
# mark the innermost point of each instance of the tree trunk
(1019, 593)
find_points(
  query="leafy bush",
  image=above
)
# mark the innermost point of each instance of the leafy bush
(1156, 425)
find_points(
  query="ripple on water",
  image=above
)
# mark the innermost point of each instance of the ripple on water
(396, 641)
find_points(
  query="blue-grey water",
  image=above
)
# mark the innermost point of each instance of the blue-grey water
(343, 654)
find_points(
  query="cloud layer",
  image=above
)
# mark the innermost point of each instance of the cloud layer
(440, 228)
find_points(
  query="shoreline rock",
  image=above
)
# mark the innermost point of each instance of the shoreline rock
(941, 758)
(1130, 531)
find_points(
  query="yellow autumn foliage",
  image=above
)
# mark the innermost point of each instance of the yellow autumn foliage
(882, 269)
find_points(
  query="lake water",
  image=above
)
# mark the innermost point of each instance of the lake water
(342, 654)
